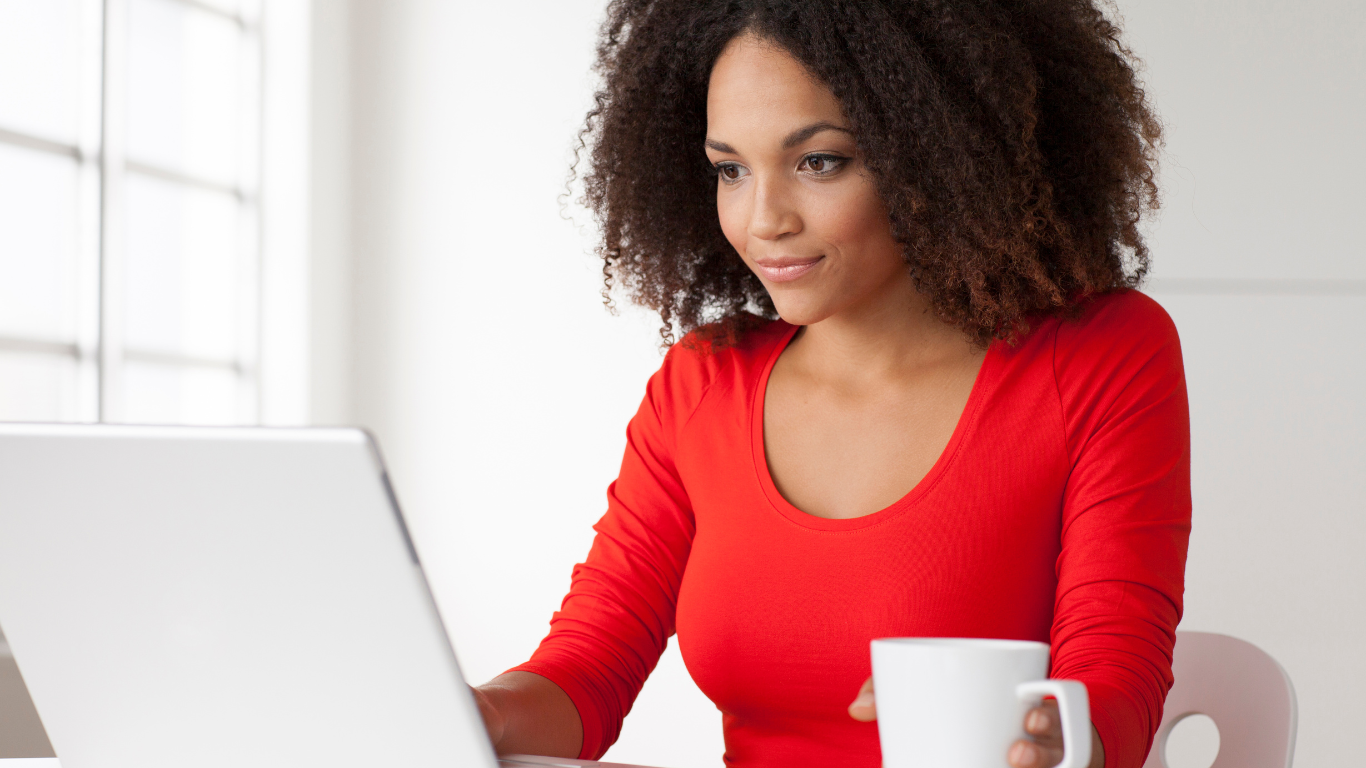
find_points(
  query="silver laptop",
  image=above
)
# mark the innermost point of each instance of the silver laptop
(225, 597)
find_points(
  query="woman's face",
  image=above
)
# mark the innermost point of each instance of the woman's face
(792, 193)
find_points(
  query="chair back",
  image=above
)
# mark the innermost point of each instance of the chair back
(1242, 689)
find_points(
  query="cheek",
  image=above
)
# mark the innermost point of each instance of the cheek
(734, 220)
(855, 221)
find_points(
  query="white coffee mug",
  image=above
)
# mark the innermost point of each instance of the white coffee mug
(961, 703)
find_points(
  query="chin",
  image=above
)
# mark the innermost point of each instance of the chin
(797, 312)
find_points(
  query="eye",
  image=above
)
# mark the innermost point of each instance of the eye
(730, 173)
(822, 164)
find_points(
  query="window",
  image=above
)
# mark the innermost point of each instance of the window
(130, 236)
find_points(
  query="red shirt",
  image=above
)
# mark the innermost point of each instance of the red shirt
(1058, 512)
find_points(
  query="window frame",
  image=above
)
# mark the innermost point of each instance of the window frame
(99, 349)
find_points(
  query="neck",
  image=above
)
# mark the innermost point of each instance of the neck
(887, 335)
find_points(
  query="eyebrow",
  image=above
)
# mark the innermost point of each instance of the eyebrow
(802, 134)
(792, 140)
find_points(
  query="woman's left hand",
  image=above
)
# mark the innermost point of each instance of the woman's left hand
(1043, 748)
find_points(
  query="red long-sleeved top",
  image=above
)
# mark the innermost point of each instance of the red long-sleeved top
(1059, 512)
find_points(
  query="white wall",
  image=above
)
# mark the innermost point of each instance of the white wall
(458, 318)
(329, 216)
(1260, 261)
(285, 248)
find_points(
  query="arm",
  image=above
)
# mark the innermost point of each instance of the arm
(570, 698)
(1126, 516)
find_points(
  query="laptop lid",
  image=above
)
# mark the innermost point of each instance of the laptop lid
(223, 597)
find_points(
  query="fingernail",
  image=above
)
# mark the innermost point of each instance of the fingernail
(1038, 722)
(863, 700)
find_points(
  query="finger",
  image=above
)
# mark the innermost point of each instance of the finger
(1044, 724)
(1029, 754)
(864, 706)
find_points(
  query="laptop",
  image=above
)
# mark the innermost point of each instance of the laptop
(225, 597)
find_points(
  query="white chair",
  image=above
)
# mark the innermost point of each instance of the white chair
(1242, 689)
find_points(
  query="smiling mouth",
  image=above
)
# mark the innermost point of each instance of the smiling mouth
(785, 270)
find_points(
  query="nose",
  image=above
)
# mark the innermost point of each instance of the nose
(774, 214)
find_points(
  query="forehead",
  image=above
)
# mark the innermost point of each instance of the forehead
(756, 85)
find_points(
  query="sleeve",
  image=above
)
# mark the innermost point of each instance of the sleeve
(619, 613)
(1126, 515)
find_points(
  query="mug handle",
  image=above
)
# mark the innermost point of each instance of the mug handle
(1075, 710)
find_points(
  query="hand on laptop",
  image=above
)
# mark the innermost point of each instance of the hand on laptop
(494, 721)
(527, 714)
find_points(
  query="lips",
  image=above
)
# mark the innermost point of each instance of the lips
(785, 270)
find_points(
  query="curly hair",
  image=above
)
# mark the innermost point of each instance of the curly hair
(1010, 140)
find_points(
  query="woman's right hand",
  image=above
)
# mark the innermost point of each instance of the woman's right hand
(494, 722)
(527, 714)
(864, 706)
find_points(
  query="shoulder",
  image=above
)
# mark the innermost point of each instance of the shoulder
(1122, 312)
(709, 355)
(1114, 329)
(1121, 353)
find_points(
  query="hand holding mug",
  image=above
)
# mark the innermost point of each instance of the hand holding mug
(1042, 750)
(969, 688)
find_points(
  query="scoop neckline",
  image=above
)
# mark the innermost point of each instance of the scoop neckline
(780, 504)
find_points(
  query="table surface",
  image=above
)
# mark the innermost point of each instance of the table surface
(510, 761)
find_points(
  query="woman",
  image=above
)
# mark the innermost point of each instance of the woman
(917, 396)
